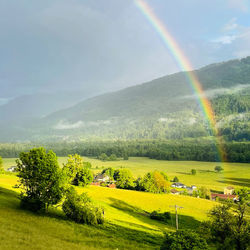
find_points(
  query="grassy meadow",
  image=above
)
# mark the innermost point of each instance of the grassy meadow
(234, 174)
(127, 222)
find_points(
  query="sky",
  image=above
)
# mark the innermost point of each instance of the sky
(97, 46)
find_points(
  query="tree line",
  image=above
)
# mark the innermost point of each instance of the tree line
(185, 150)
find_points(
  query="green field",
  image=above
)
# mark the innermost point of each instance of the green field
(127, 223)
(234, 174)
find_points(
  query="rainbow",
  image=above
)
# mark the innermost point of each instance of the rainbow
(185, 65)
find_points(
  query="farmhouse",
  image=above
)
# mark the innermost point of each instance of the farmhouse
(178, 185)
(12, 169)
(174, 191)
(229, 190)
(102, 178)
(224, 197)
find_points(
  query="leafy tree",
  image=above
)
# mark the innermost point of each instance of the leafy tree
(109, 171)
(112, 157)
(125, 157)
(184, 240)
(193, 171)
(228, 227)
(154, 182)
(218, 168)
(1, 165)
(124, 179)
(103, 157)
(40, 178)
(83, 177)
(78, 171)
(176, 179)
(80, 208)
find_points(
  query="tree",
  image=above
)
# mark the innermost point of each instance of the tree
(175, 179)
(78, 171)
(109, 171)
(40, 178)
(228, 227)
(125, 179)
(218, 169)
(103, 157)
(193, 171)
(154, 182)
(1, 165)
(112, 157)
(184, 240)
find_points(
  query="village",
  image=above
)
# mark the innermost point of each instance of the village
(178, 188)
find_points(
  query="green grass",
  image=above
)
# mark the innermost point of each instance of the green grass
(127, 223)
(234, 174)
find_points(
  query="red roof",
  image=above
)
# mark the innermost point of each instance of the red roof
(112, 185)
(174, 191)
(223, 196)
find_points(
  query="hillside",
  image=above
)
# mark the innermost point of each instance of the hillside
(127, 222)
(164, 108)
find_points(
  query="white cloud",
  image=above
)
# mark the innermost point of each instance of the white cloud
(231, 25)
(227, 39)
(65, 125)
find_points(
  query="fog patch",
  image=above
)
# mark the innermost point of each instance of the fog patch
(65, 125)
(217, 92)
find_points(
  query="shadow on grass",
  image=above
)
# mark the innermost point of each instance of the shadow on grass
(112, 235)
(236, 181)
(186, 222)
(183, 173)
(206, 171)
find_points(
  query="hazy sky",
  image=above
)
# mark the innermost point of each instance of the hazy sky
(104, 45)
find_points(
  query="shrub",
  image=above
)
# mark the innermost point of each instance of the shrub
(193, 171)
(184, 240)
(175, 179)
(218, 169)
(155, 215)
(80, 209)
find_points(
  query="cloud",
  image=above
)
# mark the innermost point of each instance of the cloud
(227, 39)
(65, 125)
(231, 25)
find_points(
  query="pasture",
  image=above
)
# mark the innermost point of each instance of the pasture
(127, 222)
(234, 174)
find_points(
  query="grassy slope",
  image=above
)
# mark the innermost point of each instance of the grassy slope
(235, 174)
(127, 223)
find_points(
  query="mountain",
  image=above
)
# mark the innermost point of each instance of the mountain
(163, 108)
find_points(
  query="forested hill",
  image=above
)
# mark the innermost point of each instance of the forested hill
(165, 108)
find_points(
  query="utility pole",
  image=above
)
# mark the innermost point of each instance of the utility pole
(176, 215)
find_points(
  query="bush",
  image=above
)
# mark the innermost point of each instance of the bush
(175, 179)
(80, 209)
(184, 240)
(218, 169)
(165, 217)
(193, 171)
